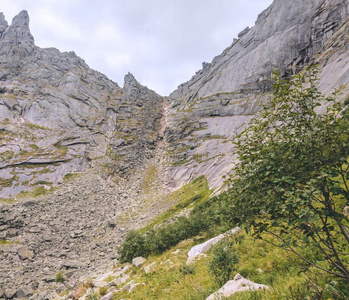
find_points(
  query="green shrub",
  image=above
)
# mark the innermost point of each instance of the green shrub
(132, 247)
(103, 290)
(224, 261)
(59, 277)
(185, 270)
(213, 216)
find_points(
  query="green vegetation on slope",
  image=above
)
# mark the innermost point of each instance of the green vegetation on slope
(291, 182)
(289, 191)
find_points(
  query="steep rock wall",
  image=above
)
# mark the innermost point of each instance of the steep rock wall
(207, 111)
(57, 115)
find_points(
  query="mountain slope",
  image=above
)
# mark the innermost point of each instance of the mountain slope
(207, 111)
(57, 114)
(57, 117)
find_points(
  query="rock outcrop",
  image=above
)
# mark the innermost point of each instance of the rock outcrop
(239, 284)
(57, 114)
(58, 117)
(207, 111)
(200, 249)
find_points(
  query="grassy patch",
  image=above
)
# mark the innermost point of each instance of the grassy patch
(169, 281)
(149, 177)
(7, 155)
(35, 126)
(7, 182)
(5, 242)
(193, 193)
(36, 192)
(69, 176)
(260, 262)
(34, 146)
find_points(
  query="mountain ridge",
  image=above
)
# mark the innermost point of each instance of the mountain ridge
(92, 150)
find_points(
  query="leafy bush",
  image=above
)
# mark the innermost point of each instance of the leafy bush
(132, 247)
(213, 215)
(291, 182)
(224, 261)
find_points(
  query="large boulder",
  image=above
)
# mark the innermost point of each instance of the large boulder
(239, 284)
(200, 249)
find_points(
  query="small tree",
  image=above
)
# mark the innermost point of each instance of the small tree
(291, 181)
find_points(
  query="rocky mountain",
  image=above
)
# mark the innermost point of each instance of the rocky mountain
(57, 115)
(88, 160)
(207, 111)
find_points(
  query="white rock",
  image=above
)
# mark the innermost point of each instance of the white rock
(204, 247)
(133, 287)
(100, 280)
(239, 284)
(150, 268)
(108, 296)
(138, 261)
(176, 252)
(128, 285)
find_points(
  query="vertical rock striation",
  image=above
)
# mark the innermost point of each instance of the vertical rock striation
(208, 110)
(57, 114)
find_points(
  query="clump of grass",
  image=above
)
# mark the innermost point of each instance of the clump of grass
(5, 242)
(110, 278)
(71, 176)
(59, 277)
(148, 179)
(34, 146)
(7, 182)
(103, 290)
(193, 193)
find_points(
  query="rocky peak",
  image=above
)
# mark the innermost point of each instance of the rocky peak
(3, 22)
(134, 91)
(21, 20)
(130, 83)
(16, 40)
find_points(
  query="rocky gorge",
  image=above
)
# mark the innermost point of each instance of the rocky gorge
(83, 161)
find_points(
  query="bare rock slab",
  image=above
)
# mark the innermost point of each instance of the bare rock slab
(138, 261)
(198, 250)
(239, 284)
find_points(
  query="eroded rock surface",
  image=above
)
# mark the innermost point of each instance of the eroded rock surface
(207, 111)
(239, 284)
(57, 114)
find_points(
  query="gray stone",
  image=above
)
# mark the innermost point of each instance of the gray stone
(128, 285)
(108, 296)
(138, 261)
(21, 293)
(25, 253)
(71, 264)
(243, 32)
(239, 284)
(10, 293)
(200, 249)
(150, 268)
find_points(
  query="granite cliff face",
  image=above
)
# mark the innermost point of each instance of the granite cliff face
(57, 115)
(208, 110)
(128, 145)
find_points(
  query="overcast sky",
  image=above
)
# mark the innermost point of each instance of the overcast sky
(161, 42)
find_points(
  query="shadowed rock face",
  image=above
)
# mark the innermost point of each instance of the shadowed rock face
(208, 110)
(57, 114)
